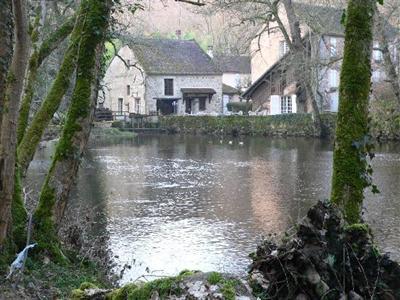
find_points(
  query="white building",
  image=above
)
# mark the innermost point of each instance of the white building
(161, 76)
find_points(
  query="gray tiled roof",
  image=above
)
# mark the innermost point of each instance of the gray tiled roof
(173, 57)
(233, 64)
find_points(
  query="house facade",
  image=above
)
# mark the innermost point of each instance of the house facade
(160, 76)
(276, 91)
(236, 76)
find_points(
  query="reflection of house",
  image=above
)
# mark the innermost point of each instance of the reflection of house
(163, 76)
(275, 91)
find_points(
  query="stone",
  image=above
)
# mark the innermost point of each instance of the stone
(313, 276)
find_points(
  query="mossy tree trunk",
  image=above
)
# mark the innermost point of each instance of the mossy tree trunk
(6, 47)
(38, 56)
(76, 130)
(33, 134)
(349, 158)
(14, 87)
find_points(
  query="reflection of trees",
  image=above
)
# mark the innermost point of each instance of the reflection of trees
(286, 176)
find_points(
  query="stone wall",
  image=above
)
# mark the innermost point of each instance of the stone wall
(155, 89)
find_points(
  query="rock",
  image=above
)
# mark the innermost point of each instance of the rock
(313, 276)
(259, 279)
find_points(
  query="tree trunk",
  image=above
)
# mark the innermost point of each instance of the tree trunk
(60, 178)
(6, 47)
(301, 58)
(8, 140)
(390, 67)
(36, 59)
(33, 134)
(349, 161)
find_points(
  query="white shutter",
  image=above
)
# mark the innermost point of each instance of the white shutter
(334, 101)
(294, 104)
(275, 105)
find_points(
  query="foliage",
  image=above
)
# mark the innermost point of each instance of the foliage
(286, 125)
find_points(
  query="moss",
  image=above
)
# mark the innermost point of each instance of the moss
(95, 15)
(358, 227)
(61, 279)
(214, 278)
(19, 213)
(31, 138)
(352, 120)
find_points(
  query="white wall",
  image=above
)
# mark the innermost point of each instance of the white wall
(116, 79)
(236, 80)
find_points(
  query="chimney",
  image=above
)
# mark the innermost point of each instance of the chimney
(210, 51)
(178, 34)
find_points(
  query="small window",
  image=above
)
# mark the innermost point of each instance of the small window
(120, 105)
(286, 105)
(333, 47)
(137, 105)
(202, 104)
(168, 87)
(128, 90)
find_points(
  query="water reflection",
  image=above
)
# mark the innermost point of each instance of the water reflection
(173, 203)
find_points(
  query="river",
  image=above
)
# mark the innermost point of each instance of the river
(170, 203)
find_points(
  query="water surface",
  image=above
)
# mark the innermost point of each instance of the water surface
(172, 203)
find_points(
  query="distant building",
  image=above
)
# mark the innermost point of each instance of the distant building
(275, 90)
(161, 76)
(236, 76)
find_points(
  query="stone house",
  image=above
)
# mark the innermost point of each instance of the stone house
(236, 76)
(275, 91)
(162, 76)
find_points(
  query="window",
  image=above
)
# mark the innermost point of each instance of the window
(202, 104)
(283, 48)
(128, 89)
(137, 105)
(286, 105)
(377, 54)
(128, 62)
(333, 78)
(168, 87)
(333, 47)
(120, 105)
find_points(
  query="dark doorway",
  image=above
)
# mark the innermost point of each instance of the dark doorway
(188, 105)
(165, 106)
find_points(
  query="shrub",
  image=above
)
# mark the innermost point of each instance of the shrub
(245, 107)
